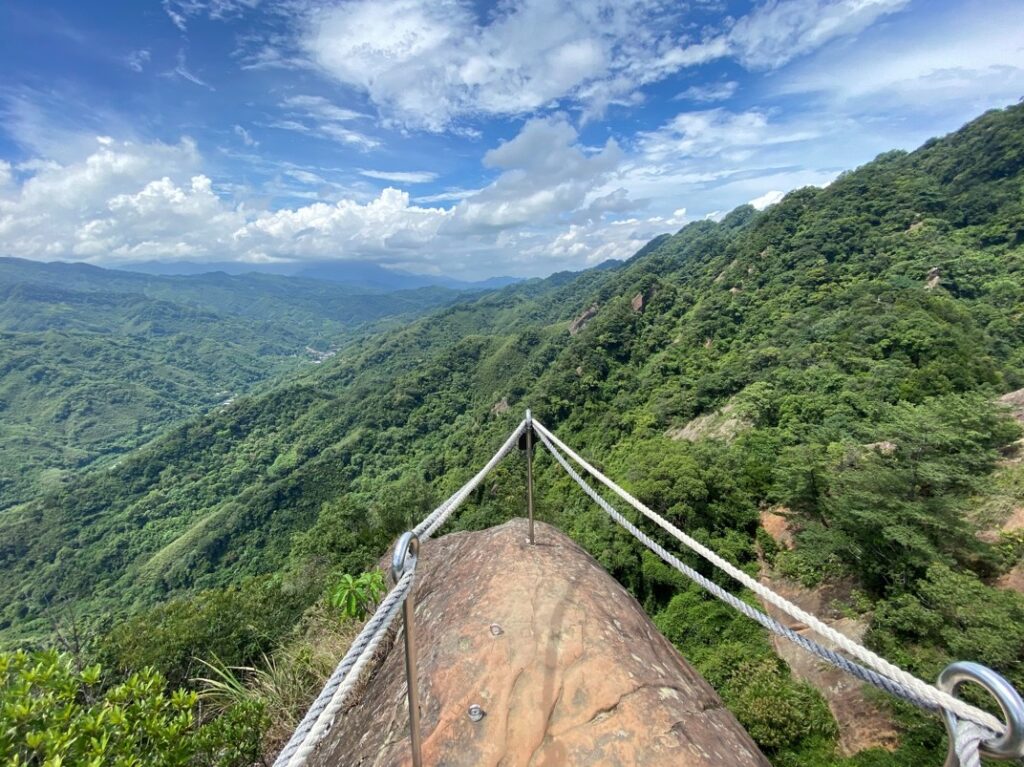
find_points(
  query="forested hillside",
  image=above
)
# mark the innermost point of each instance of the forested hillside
(94, 361)
(838, 355)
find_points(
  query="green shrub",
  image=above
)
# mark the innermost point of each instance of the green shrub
(55, 715)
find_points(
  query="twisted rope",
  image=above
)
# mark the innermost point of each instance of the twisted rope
(332, 697)
(318, 719)
(439, 516)
(967, 739)
(862, 673)
(929, 696)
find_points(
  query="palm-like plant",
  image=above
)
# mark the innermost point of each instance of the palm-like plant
(357, 596)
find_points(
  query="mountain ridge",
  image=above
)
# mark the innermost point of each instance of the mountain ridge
(816, 320)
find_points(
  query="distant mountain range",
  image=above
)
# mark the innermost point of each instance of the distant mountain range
(94, 361)
(360, 274)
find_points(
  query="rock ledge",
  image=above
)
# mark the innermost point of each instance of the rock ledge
(567, 667)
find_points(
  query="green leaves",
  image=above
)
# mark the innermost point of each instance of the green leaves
(51, 714)
(356, 597)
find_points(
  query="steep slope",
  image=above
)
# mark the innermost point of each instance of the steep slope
(95, 361)
(885, 308)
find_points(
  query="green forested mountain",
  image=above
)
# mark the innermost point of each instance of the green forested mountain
(94, 361)
(840, 353)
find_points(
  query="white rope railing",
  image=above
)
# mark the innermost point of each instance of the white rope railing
(940, 699)
(433, 521)
(733, 601)
(318, 719)
(971, 729)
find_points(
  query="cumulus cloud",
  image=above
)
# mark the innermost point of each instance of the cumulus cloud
(595, 241)
(388, 225)
(767, 199)
(545, 174)
(127, 202)
(108, 204)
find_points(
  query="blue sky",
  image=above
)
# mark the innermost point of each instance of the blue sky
(442, 136)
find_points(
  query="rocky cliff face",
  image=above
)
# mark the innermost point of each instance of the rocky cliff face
(566, 666)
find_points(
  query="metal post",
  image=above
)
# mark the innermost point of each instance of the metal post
(409, 545)
(529, 471)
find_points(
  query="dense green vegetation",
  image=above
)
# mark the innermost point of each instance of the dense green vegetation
(847, 344)
(55, 714)
(94, 362)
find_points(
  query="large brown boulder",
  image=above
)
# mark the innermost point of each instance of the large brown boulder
(567, 667)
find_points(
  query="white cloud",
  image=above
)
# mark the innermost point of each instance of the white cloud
(972, 56)
(449, 195)
(181, 11)
(594, 242)
(767, 199)
(119, 199)
(721, 91)
(245, 136)
(401, 176)
(182, 71)
(127, 201)
(137, 60)
(719, 132)
(429, 62)
(545, 174)
(384, 227)
(319, 117)
(777, 32)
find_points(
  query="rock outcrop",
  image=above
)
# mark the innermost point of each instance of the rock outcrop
(566, 666)
(862, 723)
(723, 424)
(1015, 401)
(583, 320)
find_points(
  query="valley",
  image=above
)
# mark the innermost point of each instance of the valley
(839, 355)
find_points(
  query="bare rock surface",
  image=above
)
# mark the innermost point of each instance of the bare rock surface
(1013, 580)
(723, 424)
(862, 724)
(583, 320)
(1015, 401)
(775, 521)
(567, 667)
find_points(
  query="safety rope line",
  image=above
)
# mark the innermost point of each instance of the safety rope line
(934, 697)
(339, 686)
(318, 719)
(433, 521)
(967, 740)
(855, 669)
